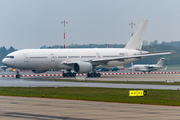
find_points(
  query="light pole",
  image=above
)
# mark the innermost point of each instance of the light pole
(132, 35)
(64, 31)
(132, 28)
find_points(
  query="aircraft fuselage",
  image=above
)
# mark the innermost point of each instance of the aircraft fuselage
(53, 58)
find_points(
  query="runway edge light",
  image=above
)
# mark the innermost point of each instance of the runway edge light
(137, 93)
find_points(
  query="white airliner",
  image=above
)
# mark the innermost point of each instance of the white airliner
(148, 68)
(80, 60)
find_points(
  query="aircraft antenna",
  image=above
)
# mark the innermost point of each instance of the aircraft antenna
(64, 31)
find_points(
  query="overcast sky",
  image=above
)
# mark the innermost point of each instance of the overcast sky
(34, 23)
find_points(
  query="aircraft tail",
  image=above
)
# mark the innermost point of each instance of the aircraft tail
(136, 40)
(161, 62)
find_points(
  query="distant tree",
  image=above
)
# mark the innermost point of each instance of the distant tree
(155, 42)
(145, 43)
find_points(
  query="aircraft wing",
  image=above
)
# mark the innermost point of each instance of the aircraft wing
(139, 56)
(150, 66)
(123, 58)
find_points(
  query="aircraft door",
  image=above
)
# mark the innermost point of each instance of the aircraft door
(25, 57)
(52, 57)
(98, 55)
(52, 60)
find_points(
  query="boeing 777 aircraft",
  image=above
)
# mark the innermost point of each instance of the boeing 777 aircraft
(80, 60)
(148, 68)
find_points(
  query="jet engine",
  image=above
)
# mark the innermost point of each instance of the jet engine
(82, 67)
(39, 71)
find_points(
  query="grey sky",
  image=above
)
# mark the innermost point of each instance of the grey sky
(34, 23)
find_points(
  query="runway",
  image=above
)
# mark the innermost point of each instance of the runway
(23, 108)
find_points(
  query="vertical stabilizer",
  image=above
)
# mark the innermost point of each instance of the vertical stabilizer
(161, 62)
(137, 39)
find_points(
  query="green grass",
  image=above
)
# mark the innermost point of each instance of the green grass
(120, 82)
(154, 97)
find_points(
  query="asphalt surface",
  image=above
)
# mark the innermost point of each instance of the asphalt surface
(4, 82)
(38, 82)
(23, 108)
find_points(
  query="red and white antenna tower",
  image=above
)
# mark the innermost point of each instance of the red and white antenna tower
(157, 58)
(64, 31)
(132, 24)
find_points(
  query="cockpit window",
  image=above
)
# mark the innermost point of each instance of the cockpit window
(9, 56)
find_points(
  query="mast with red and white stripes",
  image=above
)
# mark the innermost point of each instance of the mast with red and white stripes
(64, 31)
(132, 24)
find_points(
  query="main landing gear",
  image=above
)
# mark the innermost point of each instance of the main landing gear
(94, 74)
(69, 74)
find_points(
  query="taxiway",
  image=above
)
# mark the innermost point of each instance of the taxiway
(23, 108)
(37, 82)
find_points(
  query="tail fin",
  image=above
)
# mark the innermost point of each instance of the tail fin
(137, 39)
(161, 61)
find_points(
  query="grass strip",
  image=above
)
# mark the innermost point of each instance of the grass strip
(154, 97)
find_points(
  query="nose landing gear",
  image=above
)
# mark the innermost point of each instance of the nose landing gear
(18, 75)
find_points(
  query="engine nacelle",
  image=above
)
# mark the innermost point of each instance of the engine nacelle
(39, 71)
(82, 67)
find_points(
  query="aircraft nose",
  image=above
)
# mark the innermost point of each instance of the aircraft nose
(4, 61)
(7, 62)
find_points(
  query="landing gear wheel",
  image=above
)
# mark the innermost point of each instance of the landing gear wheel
(95, 74)
(73, 74)
(92, 75)
(64, 74)
(18, 76)
(89, 75)
(69, 74)
(98, 75)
